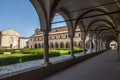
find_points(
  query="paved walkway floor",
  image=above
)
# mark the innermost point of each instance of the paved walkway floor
(105, 66)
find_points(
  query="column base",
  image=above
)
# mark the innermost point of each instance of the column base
(72, 57)
(47, 63)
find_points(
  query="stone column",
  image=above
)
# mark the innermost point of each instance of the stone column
(84, 51)
(104, 44)
(71, 47)
(100, 45)
(96, 45)
(102, 48)
(118, 41)
(83, 37)
(46, 48)
(91, 45)
(90, 39)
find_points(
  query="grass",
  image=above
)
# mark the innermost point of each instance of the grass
(22, 55)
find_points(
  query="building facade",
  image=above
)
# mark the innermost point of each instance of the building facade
(58, 38)
(9, 39)
(23, 42)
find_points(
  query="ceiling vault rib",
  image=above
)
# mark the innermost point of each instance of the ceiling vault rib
(90, 7)
(91, 16)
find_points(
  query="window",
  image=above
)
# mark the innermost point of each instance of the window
(79, 34)
(50, 37)
(60, 36)
(66, 36)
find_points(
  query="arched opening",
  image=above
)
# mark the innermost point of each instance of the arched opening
(88, 44)
(51, 45)
(75, 44)
(56, 45)
(42, 45)
(67, 45)
(58, 18)
(113, 45)
(80, 44)
(61, 45)
(39, 45)
(35, 45)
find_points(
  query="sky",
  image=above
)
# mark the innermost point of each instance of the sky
(20, 15)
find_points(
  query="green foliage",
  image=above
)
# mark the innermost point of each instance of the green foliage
(32, 51)
(22, 55)
(7, 59)
(77, 50)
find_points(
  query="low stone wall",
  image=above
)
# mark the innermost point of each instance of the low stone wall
(45, 71)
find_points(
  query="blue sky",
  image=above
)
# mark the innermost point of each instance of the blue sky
(21, 16)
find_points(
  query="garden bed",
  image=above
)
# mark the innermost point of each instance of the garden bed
(23, 55)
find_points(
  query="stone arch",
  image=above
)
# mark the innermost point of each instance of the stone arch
(101, 20)
(41, 13)
(80, 44)
(95, 10)
(101, 34)
(39, 45)
(61, 45)
(75, 44)
(51, 45)
(69, 23)
(42, 45)
(35, 46)
(56, 45)
(53, 9)
(67, 44)
(88, 44)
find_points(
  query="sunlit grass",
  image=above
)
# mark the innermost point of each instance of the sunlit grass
(22, 55)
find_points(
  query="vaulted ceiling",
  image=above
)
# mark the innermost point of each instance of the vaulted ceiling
(101, 17)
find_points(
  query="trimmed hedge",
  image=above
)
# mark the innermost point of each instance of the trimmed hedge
(7, 59)
(22, 55)
(16, 58)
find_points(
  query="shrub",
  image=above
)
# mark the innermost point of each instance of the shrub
(29, 54)
(54, 53)
(16, 58)
(32, 51)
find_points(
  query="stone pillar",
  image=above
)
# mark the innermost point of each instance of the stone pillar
(83, 37)
(90, 39)
(96, 45)
(84, 51)
(100, 45)
(102, 48)
(46, 48)
(71, 47)
(104, 44)
(91, 45)
(118, 41)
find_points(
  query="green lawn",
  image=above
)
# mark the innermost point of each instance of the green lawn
(22, 55)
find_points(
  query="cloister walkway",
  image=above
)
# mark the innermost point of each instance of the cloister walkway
(105, 66)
